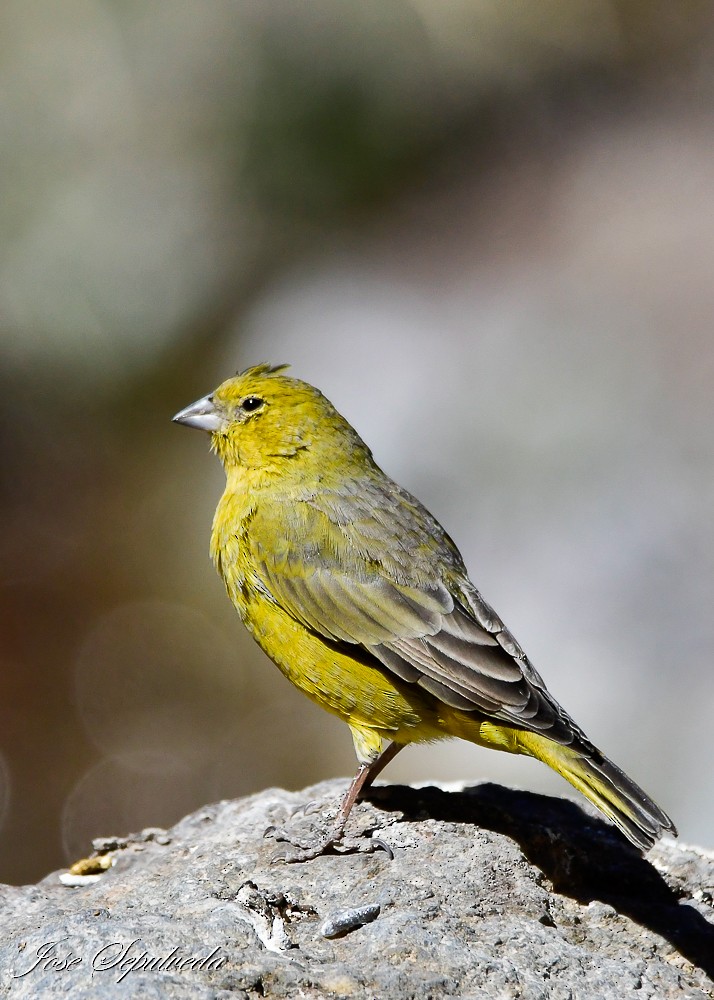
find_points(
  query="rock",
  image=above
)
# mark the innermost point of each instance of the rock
(491, 893)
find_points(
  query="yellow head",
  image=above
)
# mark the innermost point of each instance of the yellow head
(262, 419)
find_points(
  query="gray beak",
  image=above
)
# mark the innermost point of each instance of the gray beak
(202, 415)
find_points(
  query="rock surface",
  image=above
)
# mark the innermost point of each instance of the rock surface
(491, 893)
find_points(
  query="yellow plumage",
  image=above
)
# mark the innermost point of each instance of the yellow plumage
(362, 600)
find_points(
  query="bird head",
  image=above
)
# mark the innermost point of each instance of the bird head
(262, 418)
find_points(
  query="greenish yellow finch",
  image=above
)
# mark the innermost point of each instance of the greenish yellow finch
(362, 600)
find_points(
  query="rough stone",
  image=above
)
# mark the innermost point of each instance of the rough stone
(491, 893)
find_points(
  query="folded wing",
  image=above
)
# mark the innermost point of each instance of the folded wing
(428, 628)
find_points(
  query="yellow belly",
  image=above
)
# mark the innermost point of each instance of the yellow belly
(359, 693)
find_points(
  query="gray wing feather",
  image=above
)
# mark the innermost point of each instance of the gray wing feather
(469, 669)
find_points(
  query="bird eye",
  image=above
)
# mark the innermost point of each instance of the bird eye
(251, 403)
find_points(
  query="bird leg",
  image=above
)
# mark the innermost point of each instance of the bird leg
(366, 773)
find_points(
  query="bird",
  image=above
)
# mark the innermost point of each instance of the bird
(362, 600)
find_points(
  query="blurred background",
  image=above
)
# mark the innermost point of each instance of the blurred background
(486, 230)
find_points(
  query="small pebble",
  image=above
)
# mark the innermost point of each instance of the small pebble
(92, 866)
(74, 881)
(155, 833)
(102, 845)
(349, 920)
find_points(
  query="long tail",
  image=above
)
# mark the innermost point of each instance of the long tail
(606, 786)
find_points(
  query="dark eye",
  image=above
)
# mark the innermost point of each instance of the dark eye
(251, 403)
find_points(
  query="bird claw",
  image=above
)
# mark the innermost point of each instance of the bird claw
(311, 844)
(308, 809)
(374, 844)
(283, 836)
(297, 853)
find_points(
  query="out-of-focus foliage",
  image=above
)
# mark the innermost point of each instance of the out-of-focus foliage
(485, 230)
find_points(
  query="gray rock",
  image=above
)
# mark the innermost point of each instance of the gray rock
(491, 893)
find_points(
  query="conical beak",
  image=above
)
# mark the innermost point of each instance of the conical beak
(202, 415)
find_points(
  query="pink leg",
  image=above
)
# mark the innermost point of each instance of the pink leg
(366, 774)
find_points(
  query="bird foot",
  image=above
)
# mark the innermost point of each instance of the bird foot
(295, 852)
(320, 843)
(301, 834)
